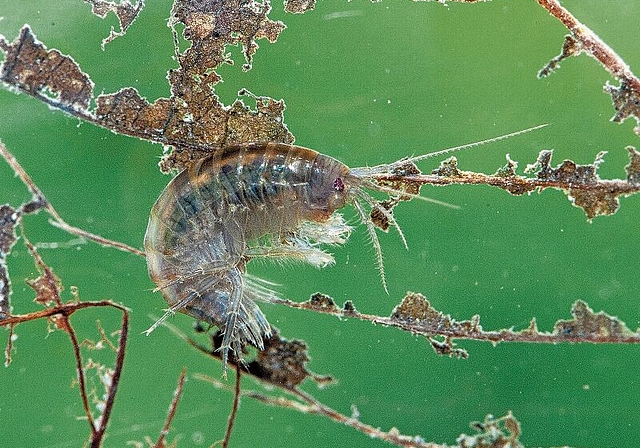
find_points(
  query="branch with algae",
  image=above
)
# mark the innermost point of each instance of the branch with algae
(193, 121)
(581, 183)
(48, 293)
(48, 289)
(416, 315)
(307, 404)
(626, 97)
(39, 202)
(283, 365)
(491, 433)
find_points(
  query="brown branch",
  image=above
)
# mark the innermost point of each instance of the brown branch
(515, 184)
(58, 222)
(66, 309)
(194, 124)
(82, 383)
(115, 379)
(234, 408)
(581, 183)
(626, 97)
(313, 406)
(392, 436)
(63, 312)
(173, 407)
(592, 44)
(48, 287)
(417, 316)
(48, 292)
(39, 201)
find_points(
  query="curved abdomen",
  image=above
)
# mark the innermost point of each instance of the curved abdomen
(201, 224)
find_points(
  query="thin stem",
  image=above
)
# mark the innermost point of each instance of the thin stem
(392, 436)
(592, 44)
(39, 201)
(61, 224)
(470, 329)
(310, 405)
(173, 407)
(234, 409)
(115, 379)
(82, 383)
(65, 311)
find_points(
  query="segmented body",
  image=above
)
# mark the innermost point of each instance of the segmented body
(262, 200)
(241, 202)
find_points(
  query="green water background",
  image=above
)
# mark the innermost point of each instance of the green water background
(365, 83)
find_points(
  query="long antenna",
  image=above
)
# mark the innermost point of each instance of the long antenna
(474, 144)
(386, 167)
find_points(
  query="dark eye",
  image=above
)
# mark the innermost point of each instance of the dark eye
(338, 185)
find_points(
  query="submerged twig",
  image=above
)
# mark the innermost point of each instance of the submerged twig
(493, 432)
(581, 183)
(39, 202)
(626, 97)
(62, 313)
(592, 44)
(234, 409)
(65, 309)
(173, 407)
(416, 315)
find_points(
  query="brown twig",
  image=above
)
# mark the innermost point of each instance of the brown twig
(392, 436)
(515, 184)
(115, 379)
(592, 44)
(234, 409)
(63, 312)
(82, 382)
(626, 97)
(173, 407)
(437, 324)
(312, 406)
(66, 309)
(58, 222)
(581, 183)
(39, 201)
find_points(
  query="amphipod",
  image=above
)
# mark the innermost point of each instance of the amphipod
(242, 202)
(247, 201)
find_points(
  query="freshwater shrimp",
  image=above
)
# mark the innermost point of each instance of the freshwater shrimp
(257, 200)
